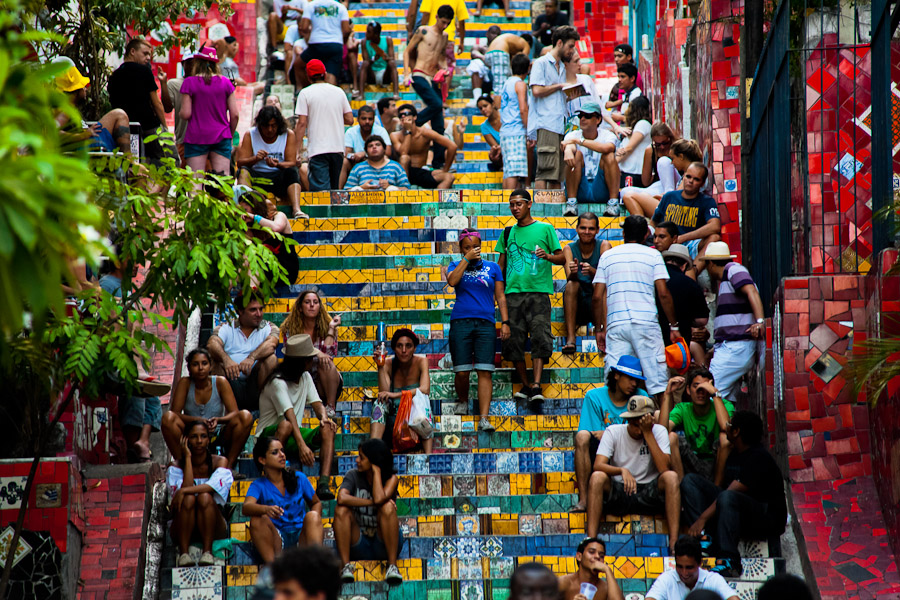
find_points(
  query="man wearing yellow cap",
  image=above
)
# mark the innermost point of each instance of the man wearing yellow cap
(111, 131)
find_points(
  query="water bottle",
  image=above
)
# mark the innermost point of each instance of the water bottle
(534, 261)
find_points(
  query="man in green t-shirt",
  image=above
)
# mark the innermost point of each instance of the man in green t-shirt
(528, 250)
(704, 418)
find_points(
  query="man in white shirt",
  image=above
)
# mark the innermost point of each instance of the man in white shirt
(632, 471)
(324, 110)
(688, 576)
(284, 14)
(625, 305)
(328, 23)
(592, 173)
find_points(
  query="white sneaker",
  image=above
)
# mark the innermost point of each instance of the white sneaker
(612, 210)
(485, 425)
(393, 575)
(348, 573)
(571, 210)
(185, 560)
(206, 560)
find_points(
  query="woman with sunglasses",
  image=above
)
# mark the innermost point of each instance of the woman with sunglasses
(473, 330)
(658, 175)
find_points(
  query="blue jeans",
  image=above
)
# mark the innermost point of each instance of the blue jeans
(736, 514)
(594, 191)
(430, 93)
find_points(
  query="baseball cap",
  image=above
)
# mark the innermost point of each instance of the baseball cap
(678, 251)
(314, 68)
(629, 365)
(678, 356)
(638, 406)
(589, 108)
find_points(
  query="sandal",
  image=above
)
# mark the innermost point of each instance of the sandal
(569, 348)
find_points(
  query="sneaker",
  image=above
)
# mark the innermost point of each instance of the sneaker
(393, 576)
(330, 413)
(571, 210)
(485, 425)
(348, 573)
(206, 560)
(324, 493)
(536, 402)
(612, 210)
(185, 560)
(523, 394)
(729, 568)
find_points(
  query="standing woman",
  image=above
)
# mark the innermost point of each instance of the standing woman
(308, 315)
(282, 505)
(473, 333)
(196, 508)
(490, 131)
(630, 153)
(209, 107)
(658, 175)
(208, 399)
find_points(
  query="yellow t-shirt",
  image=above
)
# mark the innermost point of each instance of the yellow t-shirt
(459, 14)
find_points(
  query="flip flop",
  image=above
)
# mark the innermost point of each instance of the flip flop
(569, 349)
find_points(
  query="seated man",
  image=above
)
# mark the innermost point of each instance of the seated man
(580, 267)
(592, 173)
(665, 235)
(377, 172)
(752, 504)
(267, 158)
(412, 144)
(621, 94)
(687, 575)
(285, 13)
(355, 139)
(704, 447)
(689, 301)
(590, 558)
(694, 213)
(601, 408)
(632, 471)
(245, 351)
(387, 114)
(379, 65)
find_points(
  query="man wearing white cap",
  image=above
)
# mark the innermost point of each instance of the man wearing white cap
(739, 321)
(633, 473)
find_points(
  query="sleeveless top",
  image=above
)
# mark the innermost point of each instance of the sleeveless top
(275, 149)
(212, 409)
(593, 259)
(510, 117)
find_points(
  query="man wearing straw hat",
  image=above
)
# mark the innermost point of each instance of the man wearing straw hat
(739, 321)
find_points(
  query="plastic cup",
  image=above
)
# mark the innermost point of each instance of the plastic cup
(588, 590)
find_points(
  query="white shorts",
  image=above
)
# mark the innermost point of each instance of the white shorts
(731, 359)
(380, 77)
(476, 66)
(644, 341)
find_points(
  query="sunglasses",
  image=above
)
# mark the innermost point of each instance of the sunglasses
(405, 114)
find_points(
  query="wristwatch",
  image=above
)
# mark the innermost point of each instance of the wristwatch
(760, 321)
(504, 322)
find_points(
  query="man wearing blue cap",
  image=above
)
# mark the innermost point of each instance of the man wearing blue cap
(601, 408)
(592, 173)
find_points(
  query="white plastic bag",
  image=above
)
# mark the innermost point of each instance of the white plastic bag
(420, 419)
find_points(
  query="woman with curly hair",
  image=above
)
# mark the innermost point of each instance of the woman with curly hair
(630, 153)
(308, 315)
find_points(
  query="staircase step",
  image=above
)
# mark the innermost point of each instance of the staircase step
(490, 226)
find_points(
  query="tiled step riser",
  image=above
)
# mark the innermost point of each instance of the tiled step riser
(490, 226)
(435, 209)
(353, 320)
(427, 235)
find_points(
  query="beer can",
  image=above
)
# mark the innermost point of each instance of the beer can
(628, 181)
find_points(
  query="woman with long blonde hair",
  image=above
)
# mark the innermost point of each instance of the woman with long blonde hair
(308, 315)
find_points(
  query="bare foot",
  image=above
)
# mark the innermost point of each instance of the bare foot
(477, 13)
(578, 508)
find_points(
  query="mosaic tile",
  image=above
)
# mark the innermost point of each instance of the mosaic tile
(196, 577)
(507, 462)
(445, 549)
(492, 548)
(438, 568)
(498, 485)
(471, 590)
(463, 485)
(467, 525)
(468, 548)
(429, 486)
(501, 568)
(469, 568)
(204, 593)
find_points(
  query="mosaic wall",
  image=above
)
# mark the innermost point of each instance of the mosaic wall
(605, 24)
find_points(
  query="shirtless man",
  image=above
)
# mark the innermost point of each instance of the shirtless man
(590, 557)
(412, 143)
(499, 53)
(428, 69)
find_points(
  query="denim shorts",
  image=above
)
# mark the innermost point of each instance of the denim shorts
(472, 344)
(137, 411)
(222, 147)
(646, 500)
(371, 547)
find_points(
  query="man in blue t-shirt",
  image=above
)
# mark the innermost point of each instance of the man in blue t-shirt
(601, 408)
(695, 213)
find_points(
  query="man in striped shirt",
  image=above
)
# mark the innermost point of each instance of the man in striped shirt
(739, 321)
(628, 280)
(377, 172)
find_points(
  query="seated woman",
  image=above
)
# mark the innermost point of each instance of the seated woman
(282, 403)
(490, 131)
(630, 153)
(473, 330)
(658, 174)
(196, 508)
(258, 213)
(365, 518)
(208, 399)
(406, 370)
(308, 315)
(282, 506)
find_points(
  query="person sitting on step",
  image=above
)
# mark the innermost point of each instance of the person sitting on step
(310, 316)
(590, 557)
(412, 143)
(201, 397)
(691, 309)
(281, 409)
(687, 575)
(473, 334)
(591, 171)
(695, 213)
(377, 172)
(634, 473)
(195, 508)
(580, 266)
(406, 370)
(379, 66)
(703, 416)
(658, 174)
(355, 139)
(601, 408)
(365, 518)
(282, 506)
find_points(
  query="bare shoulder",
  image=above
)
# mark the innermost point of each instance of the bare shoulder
(219, 462)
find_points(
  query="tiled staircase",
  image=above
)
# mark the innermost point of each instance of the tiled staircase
(483, 502)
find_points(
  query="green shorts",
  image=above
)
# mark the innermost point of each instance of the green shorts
(310, 437)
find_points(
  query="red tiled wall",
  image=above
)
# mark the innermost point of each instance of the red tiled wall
(603, 22)
(51, 497)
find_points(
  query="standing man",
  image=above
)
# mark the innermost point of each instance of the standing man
(590, 557)
(547, 113)
(428, 70)
(625, 305)
(328, 23)
(739, 321)
(592, 173)
(547, 24)
(323, 108)
(687, 297)
(581, 259)
(528, 250)
(132, 87)
(412, 143)
(694, 213)
(499, 54)
(456, 34)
